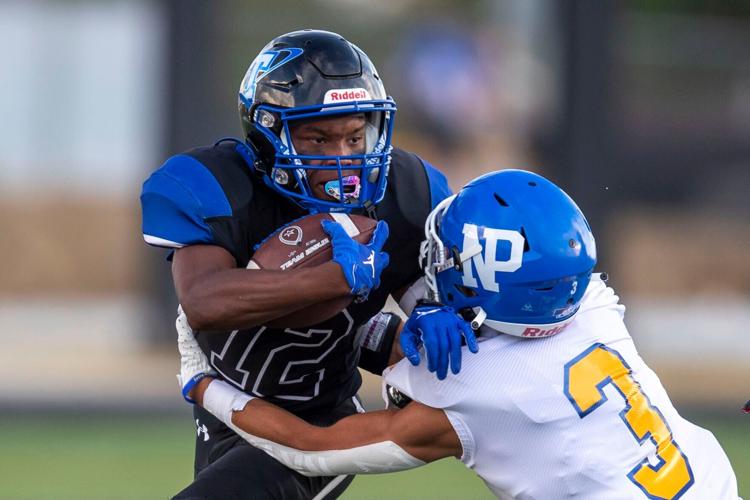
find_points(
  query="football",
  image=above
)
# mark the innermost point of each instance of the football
(303, 243)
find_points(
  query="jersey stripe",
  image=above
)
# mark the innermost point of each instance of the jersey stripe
(161, 242)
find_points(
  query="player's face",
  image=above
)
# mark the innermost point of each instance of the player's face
(335, 136)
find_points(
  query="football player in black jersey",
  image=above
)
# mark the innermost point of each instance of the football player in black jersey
(317, 125)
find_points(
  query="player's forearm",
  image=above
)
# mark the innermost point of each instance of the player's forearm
(423, 438)
(354, 446)
(242, 298)
(268, 421)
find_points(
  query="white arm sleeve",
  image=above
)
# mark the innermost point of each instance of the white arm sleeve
(376, 458)
(222, 400)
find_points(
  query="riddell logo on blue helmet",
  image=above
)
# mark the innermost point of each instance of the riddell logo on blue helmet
(540, 332)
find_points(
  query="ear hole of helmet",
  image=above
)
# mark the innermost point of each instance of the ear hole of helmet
(262, 147)
(500, 200)
(526, 246)
(466, 291)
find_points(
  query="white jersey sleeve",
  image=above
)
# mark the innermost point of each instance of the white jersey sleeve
(578, 414)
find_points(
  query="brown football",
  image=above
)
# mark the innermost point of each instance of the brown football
(303, 243)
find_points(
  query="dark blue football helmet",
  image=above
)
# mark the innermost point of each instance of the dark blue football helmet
(514, 250)
(306, 75)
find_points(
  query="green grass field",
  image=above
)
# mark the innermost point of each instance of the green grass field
(142, 458)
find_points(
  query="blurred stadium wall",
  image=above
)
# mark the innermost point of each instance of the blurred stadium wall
(641, 110)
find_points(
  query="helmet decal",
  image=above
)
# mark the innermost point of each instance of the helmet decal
(265, 63)
(487, 265)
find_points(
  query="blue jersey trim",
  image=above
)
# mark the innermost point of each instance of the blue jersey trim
(178, 198)
(439, 188)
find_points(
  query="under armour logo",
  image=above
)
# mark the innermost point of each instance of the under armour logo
(370, 261)
(203, 429)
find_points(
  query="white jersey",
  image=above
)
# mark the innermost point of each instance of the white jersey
(578, 414)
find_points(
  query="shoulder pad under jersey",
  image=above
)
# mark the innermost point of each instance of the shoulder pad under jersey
(439, 188)
(415, 186)
(177, 199)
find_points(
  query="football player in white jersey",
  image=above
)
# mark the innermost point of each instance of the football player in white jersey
(557, 403)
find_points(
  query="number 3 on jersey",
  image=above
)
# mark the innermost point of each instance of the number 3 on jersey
(586, 375)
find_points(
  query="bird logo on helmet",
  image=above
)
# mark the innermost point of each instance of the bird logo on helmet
(513, 251)
(307, 75)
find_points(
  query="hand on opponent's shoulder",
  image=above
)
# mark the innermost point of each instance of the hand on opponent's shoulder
(442, 332)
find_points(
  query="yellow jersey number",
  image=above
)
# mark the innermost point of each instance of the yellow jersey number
(586, 375)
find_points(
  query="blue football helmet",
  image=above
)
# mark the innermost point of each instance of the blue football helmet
(512, 249)
(310, 74)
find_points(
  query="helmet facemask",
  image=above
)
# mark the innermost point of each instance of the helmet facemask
(289, 172)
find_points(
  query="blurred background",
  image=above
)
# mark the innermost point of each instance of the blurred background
(640, 110)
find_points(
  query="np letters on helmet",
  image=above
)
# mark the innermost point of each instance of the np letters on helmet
(488, 264)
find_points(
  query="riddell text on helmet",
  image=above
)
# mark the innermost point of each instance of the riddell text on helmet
(343, 95)
(538, 332)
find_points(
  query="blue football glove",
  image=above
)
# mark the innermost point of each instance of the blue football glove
(362, 264)
(441, 330)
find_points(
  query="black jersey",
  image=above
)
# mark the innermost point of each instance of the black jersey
(212, 196)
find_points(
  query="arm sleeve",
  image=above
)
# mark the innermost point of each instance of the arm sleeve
(376, 341)
(177, 199)
(222, 399)
(375, 458)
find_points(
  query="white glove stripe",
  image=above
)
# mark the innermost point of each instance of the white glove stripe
(346, 223)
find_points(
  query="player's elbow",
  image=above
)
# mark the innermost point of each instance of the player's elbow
(213, 314)
(199, 313)
(195, 318)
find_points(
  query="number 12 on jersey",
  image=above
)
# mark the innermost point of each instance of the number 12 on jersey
(586, 375)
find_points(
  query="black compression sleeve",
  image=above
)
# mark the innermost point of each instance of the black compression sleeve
(376, 342)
